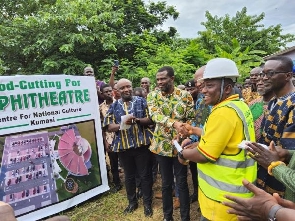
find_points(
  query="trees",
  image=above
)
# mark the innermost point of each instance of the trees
(184, 55)
(57, 37)
(245, 59)
(63, 36)
(246, 29)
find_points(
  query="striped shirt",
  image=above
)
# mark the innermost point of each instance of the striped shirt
(137, 135)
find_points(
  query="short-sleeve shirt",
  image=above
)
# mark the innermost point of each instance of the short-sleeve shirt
(164, 110)
(137, 135)
(222, 133)
(103, 108)
(278, 126)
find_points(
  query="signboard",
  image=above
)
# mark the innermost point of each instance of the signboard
(51, 149)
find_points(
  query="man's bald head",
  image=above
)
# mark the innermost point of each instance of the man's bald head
(122, 81)
(125, 89)
(145, 83)
(145, 79)
(199, 73)
(254, 75)
(88, 71)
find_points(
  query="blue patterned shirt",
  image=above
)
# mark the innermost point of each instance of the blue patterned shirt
(137, 135)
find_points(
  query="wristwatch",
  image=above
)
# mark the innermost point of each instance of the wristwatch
(181, 155)
(273, 211)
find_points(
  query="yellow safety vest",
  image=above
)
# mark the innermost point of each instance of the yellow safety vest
(226, 174)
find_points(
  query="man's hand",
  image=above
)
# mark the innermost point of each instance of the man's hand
(130, 120)
(285, 203)
(263, 156)
(181, 129)
(189, 128)
(191, 145)
(113, 127)
(114, 70)
(255, 208)
(182, 161)
(185, 142)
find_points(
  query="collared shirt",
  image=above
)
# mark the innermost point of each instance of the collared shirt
(137, 135)
(279, 122)
(103, 108)
(278, 125)
(223, 132)
(164, 110)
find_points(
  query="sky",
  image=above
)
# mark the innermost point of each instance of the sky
(192, 13)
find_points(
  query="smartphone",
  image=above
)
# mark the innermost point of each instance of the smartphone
(116, 63)
(177, 146)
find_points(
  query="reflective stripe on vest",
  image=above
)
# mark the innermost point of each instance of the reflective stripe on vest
(226, 174)
(223, 186)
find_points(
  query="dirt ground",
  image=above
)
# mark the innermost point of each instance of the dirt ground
(157, 203)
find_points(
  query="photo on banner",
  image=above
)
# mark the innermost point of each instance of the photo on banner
(51, 149)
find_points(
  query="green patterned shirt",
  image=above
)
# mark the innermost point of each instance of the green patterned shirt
(164, 111)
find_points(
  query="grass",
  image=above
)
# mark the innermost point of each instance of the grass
(109, 207)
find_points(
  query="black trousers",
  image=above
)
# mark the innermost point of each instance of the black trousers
(155, 170)
(137, 161)
(167, 166)
(113, 156)
(194, 172)
(155, 167)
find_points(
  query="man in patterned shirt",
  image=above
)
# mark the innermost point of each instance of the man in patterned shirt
(278, 123)
(108, 137)
(131, 143)
(169, 107)
(250, 93)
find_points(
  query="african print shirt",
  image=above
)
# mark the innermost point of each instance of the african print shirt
(164, 110)
(278, 126)
(258, 108)
(103, 108)
(249, 95)
(137, 135)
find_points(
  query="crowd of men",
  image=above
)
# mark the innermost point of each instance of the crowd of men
(238, 140)
(239, 145)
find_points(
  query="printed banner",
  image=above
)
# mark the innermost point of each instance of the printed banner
(51, 148)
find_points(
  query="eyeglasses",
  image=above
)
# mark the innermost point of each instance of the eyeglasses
(269, 74)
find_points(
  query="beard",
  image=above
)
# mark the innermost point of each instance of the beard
(166, 88)
(126, 97)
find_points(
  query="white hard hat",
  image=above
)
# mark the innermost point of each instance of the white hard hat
(221, 68)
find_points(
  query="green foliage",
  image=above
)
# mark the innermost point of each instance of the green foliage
(2, 67)
(247, 29)
(245, 59)
(185, 56)
(63, 36)
(57, 39)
